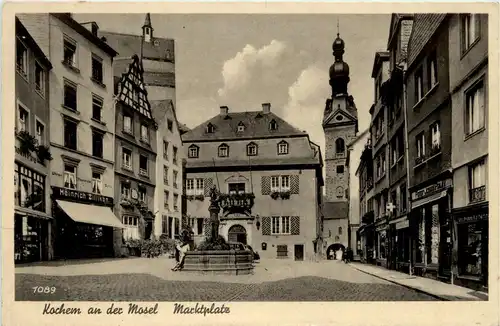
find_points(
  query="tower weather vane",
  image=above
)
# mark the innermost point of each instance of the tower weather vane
(338, 27)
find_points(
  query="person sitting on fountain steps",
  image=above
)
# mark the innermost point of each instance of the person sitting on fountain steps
(181, 248)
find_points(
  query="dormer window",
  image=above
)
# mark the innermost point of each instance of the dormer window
(210, 128)
(252, 149)
(223, 150)
(273, 125)
(193, 151)
(241, 127)
(282, 148)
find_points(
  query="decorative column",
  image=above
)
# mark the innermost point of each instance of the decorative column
(214, 210)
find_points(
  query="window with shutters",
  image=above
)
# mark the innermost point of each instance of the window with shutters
(200, 186)
(280, 183)
(280, 225)
(282, 250)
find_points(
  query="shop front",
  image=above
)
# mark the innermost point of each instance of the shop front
(85, 224)
(431, 230)
(471, 246)
(400, 244)
(31, 221)
(380, 247)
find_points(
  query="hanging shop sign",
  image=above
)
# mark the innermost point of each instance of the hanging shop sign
(80, 196)
(432, 189)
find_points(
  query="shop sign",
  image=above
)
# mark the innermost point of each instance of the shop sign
(63, 193)
(403, 224)
(472, 218)
(432, 189)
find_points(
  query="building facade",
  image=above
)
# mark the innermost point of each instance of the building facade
(340, 125)
(32, 212)
(398, 233)
(136, 143)
(158, 59)
(169, 171)
(380, 152)
(269, 174)
(366, 231)
(429, 138)
(81, 134)
(354, 150)
(468, 67)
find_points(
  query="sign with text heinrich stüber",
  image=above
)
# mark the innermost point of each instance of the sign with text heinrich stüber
(81, 196)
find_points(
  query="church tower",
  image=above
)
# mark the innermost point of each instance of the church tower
(147, 29)
(340, 125)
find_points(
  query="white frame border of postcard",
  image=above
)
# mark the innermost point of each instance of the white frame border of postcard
(332, 167)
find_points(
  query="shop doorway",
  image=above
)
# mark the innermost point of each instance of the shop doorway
(299, 252)
(237, 233)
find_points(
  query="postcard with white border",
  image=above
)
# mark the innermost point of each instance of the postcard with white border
(250, 163)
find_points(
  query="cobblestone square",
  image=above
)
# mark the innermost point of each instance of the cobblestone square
(152, 280)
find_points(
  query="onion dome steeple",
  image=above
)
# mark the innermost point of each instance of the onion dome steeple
(339, 70)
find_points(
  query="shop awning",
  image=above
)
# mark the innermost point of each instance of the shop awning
(426, 200)
(98, 215)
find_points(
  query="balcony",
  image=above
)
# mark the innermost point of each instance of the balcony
(477, 194)
(237, 203)
(419, 160)
(340, 154)
(127, 166)
(435, 149)
(143, 172)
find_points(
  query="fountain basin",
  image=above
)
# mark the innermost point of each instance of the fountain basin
(231, 262)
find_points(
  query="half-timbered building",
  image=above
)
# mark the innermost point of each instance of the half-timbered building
(135, 150)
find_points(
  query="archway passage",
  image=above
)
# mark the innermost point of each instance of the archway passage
(237, 233)
(335, 251)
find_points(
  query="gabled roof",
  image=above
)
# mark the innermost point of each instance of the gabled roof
(424, 27)
(82, 30)
(348, 117)
(23, 33)
(129, 83)
(395, 19)
(162, 109)
(256, 126)
(380, 57)
(128, 45)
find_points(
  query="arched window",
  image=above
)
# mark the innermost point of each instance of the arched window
(210, 128)
(194, 151)
(340, 147)
(223, 150)
(340, 230)
(273, 125)
(340, 192)
(282, 148)
(252, 149)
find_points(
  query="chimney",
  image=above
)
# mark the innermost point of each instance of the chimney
(266, 107)
(224, 110)
(92, 27)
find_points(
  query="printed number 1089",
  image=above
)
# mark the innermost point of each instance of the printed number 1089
(44, 289)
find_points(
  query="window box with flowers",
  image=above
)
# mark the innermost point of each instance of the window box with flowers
(43, 153)
(28, 143)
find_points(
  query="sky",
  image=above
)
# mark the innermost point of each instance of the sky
(244, 60)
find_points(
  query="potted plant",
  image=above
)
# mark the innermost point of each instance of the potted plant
(43, 153)
(285, 195)
(275, 195)
(200, 197)
(28, 142)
